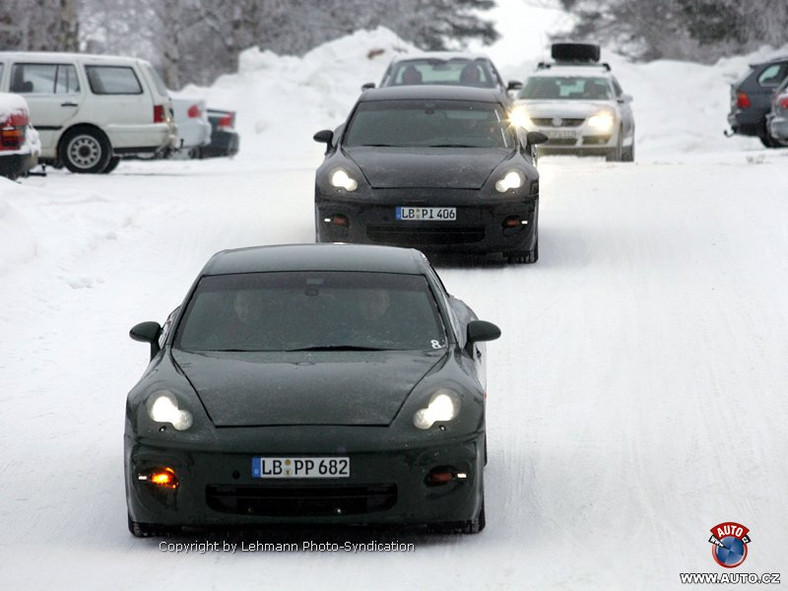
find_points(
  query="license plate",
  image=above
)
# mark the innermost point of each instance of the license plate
(329, 467)
(561, 134)
(434, 214)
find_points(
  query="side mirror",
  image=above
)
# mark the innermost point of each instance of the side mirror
(481, 330)
(536, 137)
(147, 332)
(324, 136)
(514, 85)
(367, 86)
(626, 98)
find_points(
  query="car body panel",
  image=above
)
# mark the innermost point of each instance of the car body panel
(20, 145)
(777, 118)
(194, 128)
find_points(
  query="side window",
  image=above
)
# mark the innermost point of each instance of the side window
(44, 78)
(772, 75)
(617, 87)
(1, 71)
(113, 80)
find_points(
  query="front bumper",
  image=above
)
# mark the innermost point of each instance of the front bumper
(387, 483)
(578, 141)
(482, 225)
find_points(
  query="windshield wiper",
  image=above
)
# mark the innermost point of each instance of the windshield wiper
(337, 348)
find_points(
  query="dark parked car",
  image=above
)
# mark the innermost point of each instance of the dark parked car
(225, 140)
(439, 168)
(335, 384)
(751, 99)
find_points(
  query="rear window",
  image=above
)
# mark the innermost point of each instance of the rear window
(458, 71)
(113, 80)
(773, 75)
(44, 79)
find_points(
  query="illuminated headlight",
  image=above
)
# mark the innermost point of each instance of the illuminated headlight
(341, 179)
(163, 408)
(602, 121)
(519, 118)
(511, 180)
(443, 406)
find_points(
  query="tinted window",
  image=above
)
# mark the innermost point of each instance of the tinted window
(772, 75)
(44, 79)
(113, 80)
(288, 311)
(417, 123)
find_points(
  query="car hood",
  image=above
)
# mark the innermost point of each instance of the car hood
(321, 388)
(564, 108)
(452, 168)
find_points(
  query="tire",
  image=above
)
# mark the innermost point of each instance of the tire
(85, 150)
(527, 257)
(628, 154)
(111, 165)
(142, 530)
(617, 155)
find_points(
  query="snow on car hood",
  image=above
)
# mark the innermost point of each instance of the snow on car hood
(451, 168)
(325, 388)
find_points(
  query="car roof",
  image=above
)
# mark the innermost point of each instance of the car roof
(573, 70)
(89, 58)
(441, 55)
(316, 257)
(432, 92)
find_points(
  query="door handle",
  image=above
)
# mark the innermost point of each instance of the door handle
(69, 105)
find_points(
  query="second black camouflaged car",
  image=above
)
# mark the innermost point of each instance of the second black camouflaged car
(437, 168)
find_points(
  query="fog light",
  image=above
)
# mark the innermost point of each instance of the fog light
(337, 220)
(163, 477)
(444, 474)
(514, 222)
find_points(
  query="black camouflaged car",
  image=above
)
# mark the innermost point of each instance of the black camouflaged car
(438, 168)
(320, 383)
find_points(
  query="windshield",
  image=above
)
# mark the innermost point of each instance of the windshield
(565, 88)
(431, 124)
(298, 311)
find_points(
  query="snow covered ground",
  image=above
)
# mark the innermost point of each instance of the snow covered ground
(637, 396)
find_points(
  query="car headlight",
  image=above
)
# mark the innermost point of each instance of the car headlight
(511, 180)
(444, 405)
(341, 179)
(519, 118)
(163, 407)
(602, 121)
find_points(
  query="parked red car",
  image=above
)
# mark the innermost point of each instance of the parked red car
(19, 142)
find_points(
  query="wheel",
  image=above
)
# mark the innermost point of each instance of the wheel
(617, 155)
(85, 150)
(628, 155)
(527, 257)
(111, 165)
(141, 530)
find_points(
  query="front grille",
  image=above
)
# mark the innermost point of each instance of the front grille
(548, 122)
(561, 142)
(427, 236)
(293, 501)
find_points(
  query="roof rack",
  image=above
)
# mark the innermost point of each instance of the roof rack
(583, 64)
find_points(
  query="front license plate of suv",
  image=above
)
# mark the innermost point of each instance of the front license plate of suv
(279, 467)
(433, 214)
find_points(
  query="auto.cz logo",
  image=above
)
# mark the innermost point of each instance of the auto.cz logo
(729, 541)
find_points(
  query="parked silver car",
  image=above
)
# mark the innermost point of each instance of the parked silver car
(579, 105)
(194, 128)
(777, 118)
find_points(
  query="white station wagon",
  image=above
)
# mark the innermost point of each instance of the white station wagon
(91, 110)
